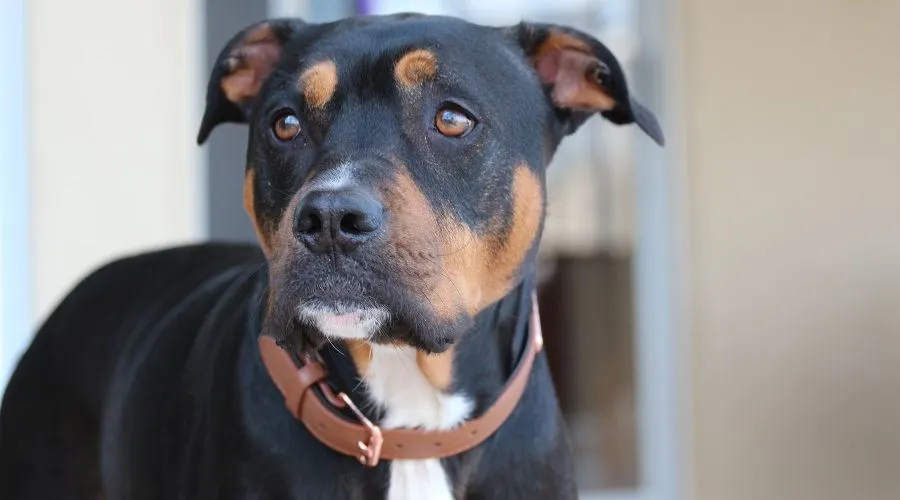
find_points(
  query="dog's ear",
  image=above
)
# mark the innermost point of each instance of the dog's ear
(582, 77)
(240, 70)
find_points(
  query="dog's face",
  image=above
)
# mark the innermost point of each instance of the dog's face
(395, 167)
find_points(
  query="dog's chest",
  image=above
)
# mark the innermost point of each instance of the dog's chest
(394, 380)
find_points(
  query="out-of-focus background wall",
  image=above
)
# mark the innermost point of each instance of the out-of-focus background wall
(793, 173)
(113, 107)
(726, 327)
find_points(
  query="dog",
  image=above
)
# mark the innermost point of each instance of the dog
(395, 178)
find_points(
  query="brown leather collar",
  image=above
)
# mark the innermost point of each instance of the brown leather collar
(367, 441)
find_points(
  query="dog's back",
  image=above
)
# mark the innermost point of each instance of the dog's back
(53, 412)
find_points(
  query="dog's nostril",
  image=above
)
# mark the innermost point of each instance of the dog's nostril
(350, 223)
(309, 222)
(357, 223)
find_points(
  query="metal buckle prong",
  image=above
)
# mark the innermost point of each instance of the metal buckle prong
(371, 451)
(536, 323)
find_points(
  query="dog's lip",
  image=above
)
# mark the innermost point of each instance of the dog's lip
(340, 305)
(343, 319)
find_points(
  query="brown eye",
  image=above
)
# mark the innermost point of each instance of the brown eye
(453, 122)
(287, 127)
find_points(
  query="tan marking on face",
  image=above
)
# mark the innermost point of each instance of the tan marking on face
(416, 248)
(318, 83)
(251, 211)
(484, 267)
(463, 267)
(457, 270)
(415, 68)
(250, 63)
(437, 368)
(361, 353)
(527, 213)
(565, 62)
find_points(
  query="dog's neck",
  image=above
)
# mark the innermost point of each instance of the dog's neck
(394, 390)
(482, 360)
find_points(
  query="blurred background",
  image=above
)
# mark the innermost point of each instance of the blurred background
(722, 316)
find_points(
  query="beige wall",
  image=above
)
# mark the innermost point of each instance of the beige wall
(115, 91)
(793, 173)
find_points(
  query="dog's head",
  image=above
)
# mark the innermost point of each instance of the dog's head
(395, 166)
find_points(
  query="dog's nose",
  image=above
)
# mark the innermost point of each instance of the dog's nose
(344, 219)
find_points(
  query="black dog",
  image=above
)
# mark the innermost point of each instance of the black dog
(395, 177)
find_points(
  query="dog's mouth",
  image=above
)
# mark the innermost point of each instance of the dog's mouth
(311, 306)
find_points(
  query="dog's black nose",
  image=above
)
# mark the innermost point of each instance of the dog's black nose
(343, 218)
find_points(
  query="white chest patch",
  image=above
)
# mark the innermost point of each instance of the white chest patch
(394, 380)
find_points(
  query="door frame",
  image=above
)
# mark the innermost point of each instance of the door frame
(15, 299)
(662, 340)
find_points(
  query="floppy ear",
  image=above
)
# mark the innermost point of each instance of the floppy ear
(240, 70)
(582, 77)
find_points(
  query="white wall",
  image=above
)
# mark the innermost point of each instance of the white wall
(115, 96)
(792, 119)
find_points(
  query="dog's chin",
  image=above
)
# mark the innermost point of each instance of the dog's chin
(343, 320)
(315, 323)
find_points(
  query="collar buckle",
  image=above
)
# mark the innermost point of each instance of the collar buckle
(371, 449)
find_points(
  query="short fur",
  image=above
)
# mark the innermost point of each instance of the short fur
(146, 381)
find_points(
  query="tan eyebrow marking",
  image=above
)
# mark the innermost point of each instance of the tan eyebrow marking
(318, 83)
(415, 67)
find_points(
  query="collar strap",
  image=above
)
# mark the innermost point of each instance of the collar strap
(367, 441)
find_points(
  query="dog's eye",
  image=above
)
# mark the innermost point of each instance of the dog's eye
(287, 127)
(452, 121)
